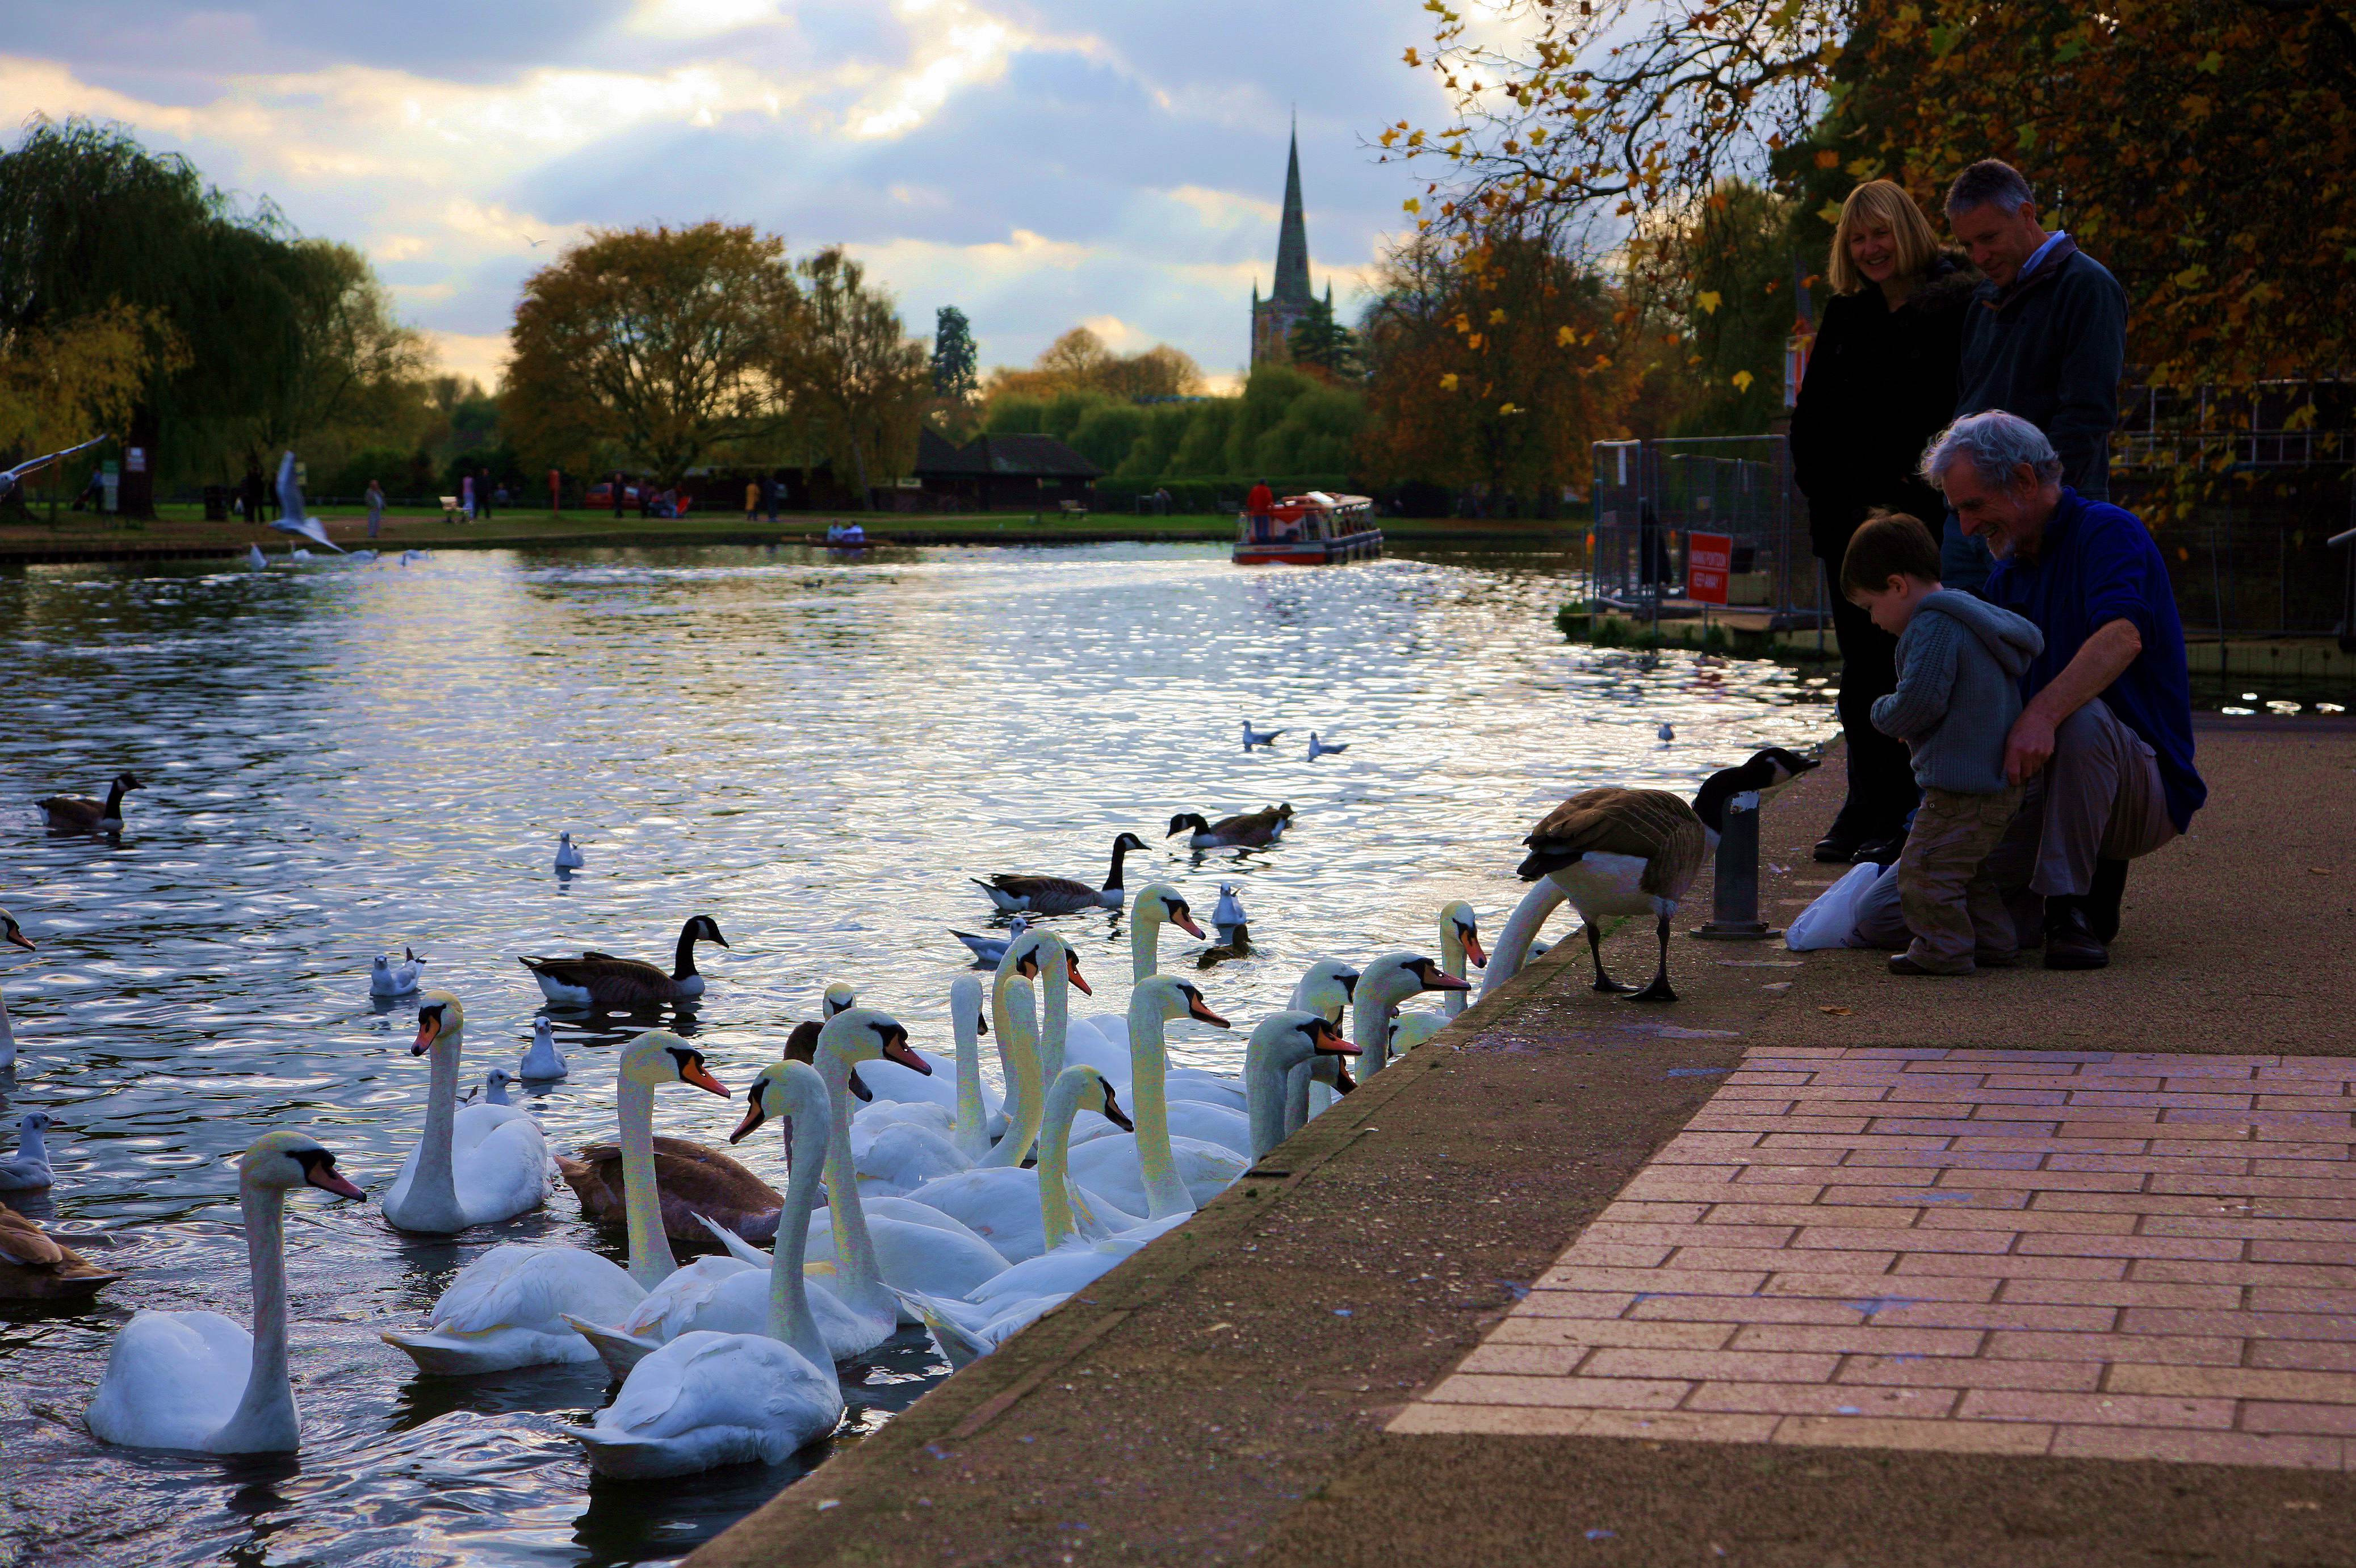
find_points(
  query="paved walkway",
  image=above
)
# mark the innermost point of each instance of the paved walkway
(1271, 1380)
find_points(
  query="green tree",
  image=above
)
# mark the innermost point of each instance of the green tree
(956, 377)
(661, 344)
(1739, 311)
(852, 373)
(1324, 344)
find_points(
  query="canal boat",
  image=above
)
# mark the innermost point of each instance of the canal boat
(1312, 530)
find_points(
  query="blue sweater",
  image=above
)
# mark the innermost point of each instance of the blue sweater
(2096, 564)
(1959, 666)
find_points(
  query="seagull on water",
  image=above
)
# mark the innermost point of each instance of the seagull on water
(567, 857)
(1666, 733)
(989, 949)
(387, 978)
(1253, 737)
(1318, 748)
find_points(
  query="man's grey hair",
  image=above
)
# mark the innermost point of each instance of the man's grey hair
(1991, 182)
(1997, 445)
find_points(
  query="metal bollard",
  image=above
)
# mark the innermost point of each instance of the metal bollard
(1734, 901)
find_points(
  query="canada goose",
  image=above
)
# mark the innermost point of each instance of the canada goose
(37, 1266)
(1264, 826)
(1616, 852)
(690, 1179)
(1320, 748)
(1011, 891)
(15, 933)
(81, 814)
(1253, 737)
(601, 980)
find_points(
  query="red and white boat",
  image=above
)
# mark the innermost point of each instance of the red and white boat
(1313, 530)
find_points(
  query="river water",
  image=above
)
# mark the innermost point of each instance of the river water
(816, 751)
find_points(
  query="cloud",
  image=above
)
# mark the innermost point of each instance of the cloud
(1037, 163)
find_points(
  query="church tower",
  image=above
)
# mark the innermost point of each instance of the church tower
(1272, 319)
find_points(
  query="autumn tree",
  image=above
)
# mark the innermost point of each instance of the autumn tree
(1079, 362)
(852, 375)
(658, 344)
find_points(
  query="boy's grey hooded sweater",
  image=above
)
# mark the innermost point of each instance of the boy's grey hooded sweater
(1960, 661)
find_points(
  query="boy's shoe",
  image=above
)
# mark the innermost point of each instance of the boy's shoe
(2070, 940)
(1899, 963)
(1881, 850)
(2102, 901)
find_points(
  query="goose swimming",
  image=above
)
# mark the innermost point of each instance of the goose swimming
(37, 1266)
(1014, 891)
(622, 984)
(1617, 851)
(1252, 829)
(196, 1380)
(81, 814)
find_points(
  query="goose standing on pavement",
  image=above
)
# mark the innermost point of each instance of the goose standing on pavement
(81, 814)
(1016, 891)
(1617, 851)
(623, 984)
(1244, 830)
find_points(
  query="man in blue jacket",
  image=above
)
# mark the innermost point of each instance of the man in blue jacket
(2045, 337)
(2104, 742)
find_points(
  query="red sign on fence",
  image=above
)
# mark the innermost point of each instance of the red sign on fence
(1709, 558)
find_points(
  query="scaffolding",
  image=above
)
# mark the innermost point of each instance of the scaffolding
(1652, 496)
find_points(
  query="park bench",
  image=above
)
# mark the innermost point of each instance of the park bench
(450, 512)
(1073, 509)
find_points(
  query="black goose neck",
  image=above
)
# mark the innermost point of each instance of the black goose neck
(683, 960)
(1112, 877)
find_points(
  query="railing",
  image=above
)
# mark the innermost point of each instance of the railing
(1651, 496)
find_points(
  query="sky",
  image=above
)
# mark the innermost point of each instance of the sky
(1039, 164)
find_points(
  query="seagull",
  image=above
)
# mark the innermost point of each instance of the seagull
(256, 559)
(1228, 916)
(567, 857)
(1253, 737)
(387, 978)
(494, 1085)
(362, 557)
(989, 949)
(1318, 748)
(290, 501)
(408, 556)
(11, 477)
(1667, 732)
(543, 1061)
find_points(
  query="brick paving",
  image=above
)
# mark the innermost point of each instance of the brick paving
(2087, 1253)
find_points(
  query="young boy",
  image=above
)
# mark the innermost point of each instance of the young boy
(1960, 661)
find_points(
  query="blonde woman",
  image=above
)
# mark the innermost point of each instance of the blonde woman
(1881, 383)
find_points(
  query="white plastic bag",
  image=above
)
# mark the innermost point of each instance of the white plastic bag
(1831, 920)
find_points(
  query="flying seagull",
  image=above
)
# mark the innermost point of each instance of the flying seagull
(10, 478)
(290, 501)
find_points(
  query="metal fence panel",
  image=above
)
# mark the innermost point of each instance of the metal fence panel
(1651, 496)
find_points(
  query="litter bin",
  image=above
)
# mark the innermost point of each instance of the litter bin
(216, 503)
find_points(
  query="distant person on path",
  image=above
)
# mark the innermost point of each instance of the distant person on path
(1960, 662)
(751, 500)
(555, 492)
(2046, 339)
(771, 487)
(1880, 383)
(483, 493)
(375, 507)
(467, 497)
(619, 488)
(2104, 744)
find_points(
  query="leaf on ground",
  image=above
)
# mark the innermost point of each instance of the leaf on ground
(1835, 1012)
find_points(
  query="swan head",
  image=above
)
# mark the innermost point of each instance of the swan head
(1033, 951)
(703, 929)
(1174, 998)
(1328, 986)
(1459, 920)
(1400, 975)
(1095, 1093)
(440, 1016)
(781, 1089)
(1294, 1036)
(840, 998)
(966, 1003)
(659, 1056)
(1159, 902)
(287, 1159)
(15, 933)
(1188, 821)
(865, 1035)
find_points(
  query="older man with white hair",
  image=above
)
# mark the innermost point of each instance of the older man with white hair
(2104, 742)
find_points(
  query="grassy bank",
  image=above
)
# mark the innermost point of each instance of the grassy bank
(181, 531)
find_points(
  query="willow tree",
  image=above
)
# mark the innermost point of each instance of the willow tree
(658, 345)
(852, 374)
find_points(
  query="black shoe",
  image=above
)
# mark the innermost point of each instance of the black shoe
(2070, 942)
(1881, 850)
(2102, 901)
(1839, 846)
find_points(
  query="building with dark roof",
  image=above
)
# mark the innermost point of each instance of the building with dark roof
(1013, 473)
(1272, 319)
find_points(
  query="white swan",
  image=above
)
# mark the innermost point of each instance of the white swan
(1324, 989)
(1283, 1042)
(855, 1313)
(507, 1308)
(1150, 1171)
(1519, 943)
(568, 856)
(474, 1166)
(387, 978)
(544, 1062)
(254, 559)
(196, 1380)
(707, 1398)
(1015, 1209)
(1386, 983)
(16, 934)
(1460, 940)
(897, 1147)
(1044, 956)
(1101, 1040)
(28, 1169)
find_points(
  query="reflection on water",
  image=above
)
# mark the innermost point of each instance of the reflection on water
(817, 752)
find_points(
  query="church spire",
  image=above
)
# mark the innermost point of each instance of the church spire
(1292, 239)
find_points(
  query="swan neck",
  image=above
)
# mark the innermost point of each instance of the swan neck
(790, 1318)
(1370, 1026)
(855, 1249)
(971, 1136)
(433, 1191)
(1144, 949)
(7, 1037)
(1453, 960)
(265, 1417)
(1149, 1063)
(1296, 1099)
(1055, 1161)
(1267, 1082)
(1018, 1053)
(651, 1256)
(1055, 1012)
(1522, 927)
